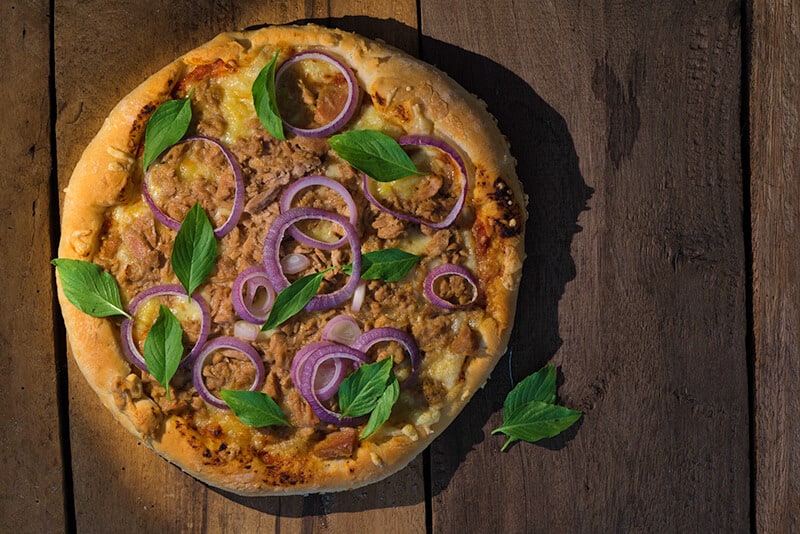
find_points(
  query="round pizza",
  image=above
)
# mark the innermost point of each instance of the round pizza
(289, 259)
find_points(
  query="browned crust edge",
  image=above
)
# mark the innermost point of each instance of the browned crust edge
(106, 165)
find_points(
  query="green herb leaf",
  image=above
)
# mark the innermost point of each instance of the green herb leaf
(374, 153)
(264, 100)
(540, 386)
(254, 408)
(163, 347)
(536, 420)
(293, 299)
(389, 264)
(89, 288)
(195, 249)
(383, 408)
(166, 127)
(360, 391)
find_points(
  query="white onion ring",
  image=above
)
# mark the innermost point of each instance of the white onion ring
(341, 329)
(369, 338)
(238, 197)
(425, 140)
(350, 104)
(444, 270)
(294, 263)
(169, 290)
(271, 256)
(225, 343)
(244, 291)
(308, 181)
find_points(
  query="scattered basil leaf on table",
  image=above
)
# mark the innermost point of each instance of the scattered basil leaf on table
(293, 299)
(163, 347)
(195, 249)
(529, 412)
(389, 265)
(254, 408)
(383, 408)
(166, 127)
(374, 153)
(359, 392)
(265, 102)
(89, 288)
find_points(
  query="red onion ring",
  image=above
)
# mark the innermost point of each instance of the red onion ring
(358, 296)
(225, 343)
(341, 329)
(294, 263)
(238, 198)
(170, 290)
(369, 338)
(244, 291)
(308, 376)
(425, 140)
(271, 256)
(327, 381)
(350, 104)
(444, 270)
(308, 181)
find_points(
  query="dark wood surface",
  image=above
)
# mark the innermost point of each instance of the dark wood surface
(657, 144)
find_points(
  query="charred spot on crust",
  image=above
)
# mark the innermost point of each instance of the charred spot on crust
(137, 128)
(402, 113)
(378, 99)
(510, 223)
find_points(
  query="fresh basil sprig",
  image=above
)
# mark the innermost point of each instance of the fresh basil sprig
(530, 412)
(265, 102)
(374, 153)
(89, 288)
(389, 264)
(166, 127)
(293, 299)
(195, 249)
(371, 388)
(163, 347)
(254, 408)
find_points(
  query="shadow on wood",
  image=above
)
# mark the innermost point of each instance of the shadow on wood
(548, 168)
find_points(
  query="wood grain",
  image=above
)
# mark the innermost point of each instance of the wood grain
(121, 486)
(775, 200)
(31, 473)
(625, 121)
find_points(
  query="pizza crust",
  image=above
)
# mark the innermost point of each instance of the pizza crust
(420, 96)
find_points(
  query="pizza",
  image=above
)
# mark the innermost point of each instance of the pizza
(295, 306)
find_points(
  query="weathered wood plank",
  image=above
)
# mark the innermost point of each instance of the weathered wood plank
(775, 200)
(118, 484)
(31, 473)
(640, 299)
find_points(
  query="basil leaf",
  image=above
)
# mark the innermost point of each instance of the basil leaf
(389, 264)
(89, 288)
(359, 392)
(383, 408)
(263, 91)
(166, 127)
(163, 347)
(293, 299)
(540, 386)
(195, 249)
(536, 420)
(374, 153)
(254, 408)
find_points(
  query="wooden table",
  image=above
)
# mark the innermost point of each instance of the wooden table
(658, 142)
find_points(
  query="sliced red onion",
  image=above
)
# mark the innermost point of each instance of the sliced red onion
(350, 104)
(308, 378)
(294, 263)
(330, 374)
(271, 256)
(169, 290)
(387, 333)
(358, 296)
(225, 343)
(238, 198)
(444, 270)
(244, 291)
(425, 140)
(246, 331)
(308, 181)
(341, 329)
